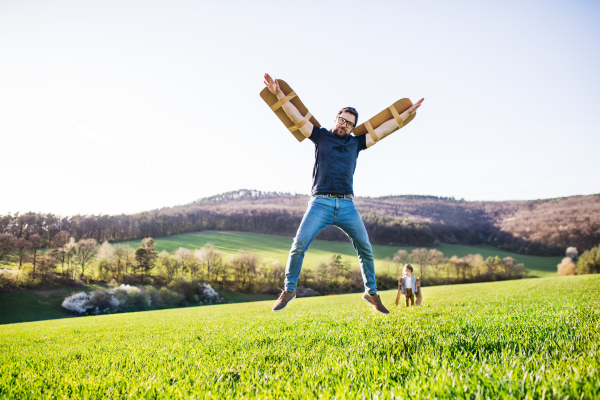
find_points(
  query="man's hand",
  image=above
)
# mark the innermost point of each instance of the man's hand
(289, 108)
(391, 125)
(415, 106)
(272, 84)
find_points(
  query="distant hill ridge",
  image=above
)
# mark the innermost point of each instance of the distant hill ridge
(538, 227)
(244, 194)
(542, 226)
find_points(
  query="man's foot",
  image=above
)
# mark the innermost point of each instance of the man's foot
(375, 301)
(284, 298)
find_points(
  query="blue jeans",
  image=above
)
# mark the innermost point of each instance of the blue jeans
(322, 212)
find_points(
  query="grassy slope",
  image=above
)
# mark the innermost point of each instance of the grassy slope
(534, 337)
(277, 247)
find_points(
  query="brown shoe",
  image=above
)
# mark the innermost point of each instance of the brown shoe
(375, 301)
(284, 298)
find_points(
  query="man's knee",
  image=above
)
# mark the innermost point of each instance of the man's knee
(300, 244)
(366, 252)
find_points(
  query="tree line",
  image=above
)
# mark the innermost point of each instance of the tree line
(68, 262)
(118, 228)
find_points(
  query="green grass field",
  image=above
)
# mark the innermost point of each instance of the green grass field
(532, 338)
(277, 247)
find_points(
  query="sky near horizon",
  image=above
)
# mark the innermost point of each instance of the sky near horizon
(123, 106)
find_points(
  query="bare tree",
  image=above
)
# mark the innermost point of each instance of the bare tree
(443, 264)
(244, 265)
(400, 259)
(58, 242)
(193, 265)
(345, 273)
(47, 264)
(7, 246)
(168, 265)
(70, 249)
(305, 276)
(106, 259)
(419, 257)
(84, 252)
(183, 255)
(453, 263)
(273, 272)
(35, 244)
(222, 270)
(209, 258)
(476, 264)
(434, 258)
(21, 251)
(321, 275)
(339, 272)
(493, 265)
(512, 268)
(125, 256)
(461, 265)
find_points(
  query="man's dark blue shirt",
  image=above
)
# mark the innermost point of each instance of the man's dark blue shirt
(335, 161)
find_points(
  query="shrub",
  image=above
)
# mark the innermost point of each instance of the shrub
(185, 288)
(102, 302)
(572, 253)
(131, 298)
(77, 303)
(207, 295)
(153, 295)
(126, 298)
(589, 261)
(567, 267)
(170, 298)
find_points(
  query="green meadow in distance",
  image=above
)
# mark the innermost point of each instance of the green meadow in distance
(530, 338)
(277, 247)
(40, 305)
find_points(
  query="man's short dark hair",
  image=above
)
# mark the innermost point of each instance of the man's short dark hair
(409, 267)
(350, 110)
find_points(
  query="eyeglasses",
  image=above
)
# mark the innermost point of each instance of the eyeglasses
(343, 121)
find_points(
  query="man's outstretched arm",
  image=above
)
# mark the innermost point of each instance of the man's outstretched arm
(389, 126)
(288, 107)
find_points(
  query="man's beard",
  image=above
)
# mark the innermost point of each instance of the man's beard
(341, 134)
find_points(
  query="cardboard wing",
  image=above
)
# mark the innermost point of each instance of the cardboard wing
(399, 291)
(391, 112)
(291, 96)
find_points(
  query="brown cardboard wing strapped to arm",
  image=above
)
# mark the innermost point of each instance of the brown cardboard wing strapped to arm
(275, 105)
(392, 111)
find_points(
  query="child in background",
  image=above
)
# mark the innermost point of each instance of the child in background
(407, 286)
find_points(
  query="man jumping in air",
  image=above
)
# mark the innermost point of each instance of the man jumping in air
(331, 202)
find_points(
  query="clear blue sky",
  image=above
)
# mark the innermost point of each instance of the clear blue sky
(124, 106)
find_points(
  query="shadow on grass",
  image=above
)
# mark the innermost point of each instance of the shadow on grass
(40, 305)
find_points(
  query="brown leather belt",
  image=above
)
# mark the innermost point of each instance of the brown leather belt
(339, 195)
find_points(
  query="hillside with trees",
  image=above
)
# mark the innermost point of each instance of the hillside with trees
(537, 227)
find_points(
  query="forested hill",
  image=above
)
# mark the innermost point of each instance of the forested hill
(540, 227)
(534, 227)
